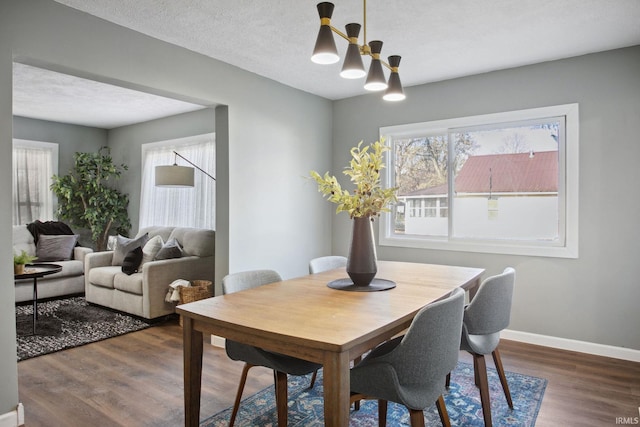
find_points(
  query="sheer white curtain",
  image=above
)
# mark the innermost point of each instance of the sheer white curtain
(34, 163)
(184, 207)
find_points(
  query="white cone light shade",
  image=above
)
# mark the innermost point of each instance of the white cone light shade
(394, 92)
(325, 51)
(375, 79)
(353, 68)
(174, 176)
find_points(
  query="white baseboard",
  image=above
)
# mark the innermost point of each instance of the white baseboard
(573, 345)
(14, 418)
(216, 341)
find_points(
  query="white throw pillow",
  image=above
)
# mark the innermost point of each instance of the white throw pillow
(151, 249)
(124, 245)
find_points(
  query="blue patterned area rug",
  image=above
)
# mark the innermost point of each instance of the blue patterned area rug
(462, 401)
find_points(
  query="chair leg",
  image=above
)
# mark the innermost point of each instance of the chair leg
(236, 404)
(503, 379)
(442, 410)
(382, 413)
(417, 417)
(281, 397)
(313, 379)
(356, 404)
(483, 384)
(475, 372)
(447, 382)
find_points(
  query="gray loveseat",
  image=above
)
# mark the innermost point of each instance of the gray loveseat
(143, 293)
(69, 281)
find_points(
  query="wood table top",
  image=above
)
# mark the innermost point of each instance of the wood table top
(306, 311)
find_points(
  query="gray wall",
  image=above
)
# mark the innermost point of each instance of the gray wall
(593, 298)
(273, 135)
(125, 143)
(70, 138)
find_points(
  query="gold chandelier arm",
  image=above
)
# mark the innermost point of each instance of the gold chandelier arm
(364, 22)
(338, 32)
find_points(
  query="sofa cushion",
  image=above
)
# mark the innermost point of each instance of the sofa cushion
(23, 240)
(195, 241)
(124, 245)
(132, 261)
(157, 230)
(131, 284)
(55, 247)
(104, 276)
(171, 249)
(151, 249)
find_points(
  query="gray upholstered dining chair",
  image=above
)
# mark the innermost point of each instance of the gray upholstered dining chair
(411, 369)
(324, 263)
(281, 364)
(485, 316)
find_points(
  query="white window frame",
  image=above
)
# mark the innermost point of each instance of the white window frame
(567, 190)
(52, 147)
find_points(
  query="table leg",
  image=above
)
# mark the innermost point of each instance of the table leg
(336, 389)
(192, 348)
(35, 304)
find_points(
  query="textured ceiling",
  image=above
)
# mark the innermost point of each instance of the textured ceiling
(47, 95)
(437, 39)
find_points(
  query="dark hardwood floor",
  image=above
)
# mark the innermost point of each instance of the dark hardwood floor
(136, 380)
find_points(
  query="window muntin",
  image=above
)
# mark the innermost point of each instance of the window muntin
(502, 189)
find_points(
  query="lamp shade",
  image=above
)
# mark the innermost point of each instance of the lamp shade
(394, 92)
(375, 78)
(325, 51)
(353, 68)
(174, 176)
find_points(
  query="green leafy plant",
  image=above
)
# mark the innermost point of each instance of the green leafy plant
(23, 258)
(85, 199)
(368, 199)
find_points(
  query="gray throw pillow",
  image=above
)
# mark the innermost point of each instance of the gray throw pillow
(125, 245)
(171, 249)
(55, 247)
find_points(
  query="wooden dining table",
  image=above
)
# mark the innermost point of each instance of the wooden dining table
(304, 318)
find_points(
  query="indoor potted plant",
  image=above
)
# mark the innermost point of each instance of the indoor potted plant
(19, 261)
(364, 204)
(87, 197)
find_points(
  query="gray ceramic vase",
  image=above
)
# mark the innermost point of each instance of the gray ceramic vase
(361, 264)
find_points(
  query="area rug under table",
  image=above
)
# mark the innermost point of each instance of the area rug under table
(462, 401)
(67, 323)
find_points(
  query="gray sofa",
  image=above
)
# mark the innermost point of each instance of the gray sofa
(69, 281)
(143, 293)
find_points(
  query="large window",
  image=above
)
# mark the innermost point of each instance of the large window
(34, 163)
(501, 183)
(185, 207)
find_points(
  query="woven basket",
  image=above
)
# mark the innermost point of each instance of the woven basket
(199, 289)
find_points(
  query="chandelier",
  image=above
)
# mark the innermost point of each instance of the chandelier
(325, 52)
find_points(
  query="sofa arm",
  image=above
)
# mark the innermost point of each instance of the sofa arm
(80, 252)
(158, 275)
(97, 259)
